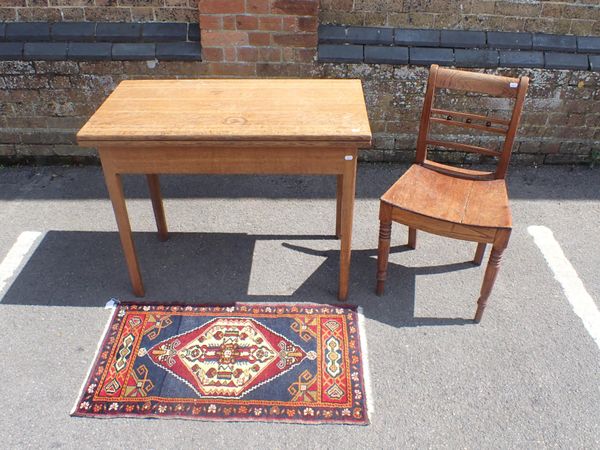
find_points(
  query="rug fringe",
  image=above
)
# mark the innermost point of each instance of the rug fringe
(96, 353)
(362, 331)
(112, 303)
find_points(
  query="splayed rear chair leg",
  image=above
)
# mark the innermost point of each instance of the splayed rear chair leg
(412, 237)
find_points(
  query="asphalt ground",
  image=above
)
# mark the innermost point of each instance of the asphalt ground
(528, 376)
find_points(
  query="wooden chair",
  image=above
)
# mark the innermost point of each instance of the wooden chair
(459, 203)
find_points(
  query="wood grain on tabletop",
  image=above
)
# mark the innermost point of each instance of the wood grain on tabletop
(240, 109)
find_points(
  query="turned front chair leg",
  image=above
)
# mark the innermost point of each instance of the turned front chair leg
(479, 253)
(383, 250)
(412, 237)
(500, 244)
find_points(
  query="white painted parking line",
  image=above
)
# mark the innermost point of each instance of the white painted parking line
(11, 264)
(581, 301)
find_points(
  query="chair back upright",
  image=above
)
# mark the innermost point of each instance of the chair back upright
(492, 85)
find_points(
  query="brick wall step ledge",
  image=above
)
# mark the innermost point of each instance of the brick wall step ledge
(99, 51)
(339, 34)
(99, 41)
(99, 32)
(458, 57)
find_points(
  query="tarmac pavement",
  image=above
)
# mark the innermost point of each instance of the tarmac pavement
(527, 376)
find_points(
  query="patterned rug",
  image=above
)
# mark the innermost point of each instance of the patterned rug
(248, 362)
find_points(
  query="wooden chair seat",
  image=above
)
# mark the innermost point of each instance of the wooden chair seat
(449, 198)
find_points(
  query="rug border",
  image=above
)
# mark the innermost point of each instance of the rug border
(358, 310)
(99, 347)
(366, 370)
(219, 419)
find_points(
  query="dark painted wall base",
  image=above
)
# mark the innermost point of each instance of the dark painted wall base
(478, 49)
(101, 41)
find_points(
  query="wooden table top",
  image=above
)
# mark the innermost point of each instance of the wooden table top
(261, 110)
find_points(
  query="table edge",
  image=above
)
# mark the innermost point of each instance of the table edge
(362, 142)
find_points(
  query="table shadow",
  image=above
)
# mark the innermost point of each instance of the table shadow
(86, 269)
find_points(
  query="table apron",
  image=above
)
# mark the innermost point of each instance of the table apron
(217, 160)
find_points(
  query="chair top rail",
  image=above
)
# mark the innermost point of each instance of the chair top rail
(496, 86)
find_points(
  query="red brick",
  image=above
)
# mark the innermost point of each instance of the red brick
(232, 69)
(258, 6)
(224, 38)
(284, 70)
(246, 22)
(247, 54)
(269, 54)
(259, 39)
(296, 7)
(221, 6)
(212, 54)
(211, 22)
(290, 23)
(308, 24)
(295, 40)
(287, 54)
(229, 54)
(305, 55)
(229, 23)
(270, 23)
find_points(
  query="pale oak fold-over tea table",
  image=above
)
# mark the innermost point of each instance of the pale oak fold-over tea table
(225, 126)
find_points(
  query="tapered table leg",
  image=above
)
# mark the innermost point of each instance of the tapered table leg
(117, 197)
(338, 206)
(347, 211)
(157, 206)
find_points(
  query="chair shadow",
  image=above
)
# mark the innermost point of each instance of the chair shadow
(86, 269)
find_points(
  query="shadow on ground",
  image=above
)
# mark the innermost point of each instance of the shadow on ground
(86, 269)
(64, 183)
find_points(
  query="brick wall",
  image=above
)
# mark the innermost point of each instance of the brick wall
(258, 37)
(580, 17)
(99, 10)
(44, 103)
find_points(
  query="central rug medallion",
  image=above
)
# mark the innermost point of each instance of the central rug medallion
(227, 357)
(293, 363)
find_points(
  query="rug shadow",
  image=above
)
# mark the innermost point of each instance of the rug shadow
(86, 269)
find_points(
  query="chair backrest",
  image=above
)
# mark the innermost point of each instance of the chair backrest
(492, 85)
